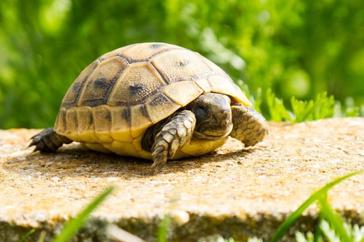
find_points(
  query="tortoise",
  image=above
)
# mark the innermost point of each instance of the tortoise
(154, 101)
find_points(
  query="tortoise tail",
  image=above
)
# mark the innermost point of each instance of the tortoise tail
(48, 141)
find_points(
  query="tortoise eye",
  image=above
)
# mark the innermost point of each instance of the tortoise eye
(200, 112)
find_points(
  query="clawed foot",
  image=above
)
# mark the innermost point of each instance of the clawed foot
(48, 141)
(250, 126)
(174, 134)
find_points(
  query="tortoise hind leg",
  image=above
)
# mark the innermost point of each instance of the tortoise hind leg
(48, 141)
(249, 126)
(163, 140)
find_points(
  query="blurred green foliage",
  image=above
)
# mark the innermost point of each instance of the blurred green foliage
(294, 48)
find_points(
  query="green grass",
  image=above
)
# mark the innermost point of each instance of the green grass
(326, 211)
(42, 236)
(326, 233)
(163, 229)
(71, 227)
(336, 221)
(27, 235)
(322, 106)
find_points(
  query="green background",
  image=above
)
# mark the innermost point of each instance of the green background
(279, 48)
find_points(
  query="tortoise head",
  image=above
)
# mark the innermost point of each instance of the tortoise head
(213, 116)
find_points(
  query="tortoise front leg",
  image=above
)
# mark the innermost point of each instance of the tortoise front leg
(169, 136)
(250, 126)
(48, 141)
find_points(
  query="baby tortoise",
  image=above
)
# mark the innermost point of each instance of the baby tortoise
(155, 101)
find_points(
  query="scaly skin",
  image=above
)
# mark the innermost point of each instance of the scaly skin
(48, 141)
(249, 126)
(173, 135)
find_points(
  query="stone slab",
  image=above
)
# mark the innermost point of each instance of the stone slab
(235, 192)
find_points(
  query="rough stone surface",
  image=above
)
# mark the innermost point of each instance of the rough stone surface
(235, 192)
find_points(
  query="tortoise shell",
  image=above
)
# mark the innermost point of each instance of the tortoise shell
(122, 93)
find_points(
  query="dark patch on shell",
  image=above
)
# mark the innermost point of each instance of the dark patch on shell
(182, 63)
(83, 82)
(90, 120)
(94, 102)
(112, 85)
(106, 87)
(126, 114)
(76, 87)
(144, 111)
(136, 89)
(62, 117)
(107, 115)
(159, 99)
(101, 83)
(68, 104)
(155, 46)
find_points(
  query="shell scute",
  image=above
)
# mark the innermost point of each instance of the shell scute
(173, 91)
(179, 65)
(160, 107)
(73, 93)
(102, 120)
(101, 82)
(136, 84)
(140, 120)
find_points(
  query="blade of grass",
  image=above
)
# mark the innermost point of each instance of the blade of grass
(335, 220)
(26, 236)
(318, 232)
(283, 228)
(328, 233)
(163, 229)
(72, 226)
(42, 236)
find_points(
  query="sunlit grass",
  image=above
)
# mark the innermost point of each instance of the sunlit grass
(322, 106)
(163, 229)
(26, 236)
(72, 226)
(326, 211)
(326, 233)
